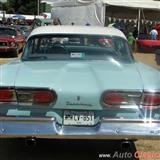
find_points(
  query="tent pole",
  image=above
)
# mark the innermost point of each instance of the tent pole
(38, 7)
(139, 20)
(145, 23)
(104, 15)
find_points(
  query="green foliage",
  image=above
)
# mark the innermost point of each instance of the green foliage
(20, 6)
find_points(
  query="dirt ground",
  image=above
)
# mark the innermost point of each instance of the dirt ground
(148, 146)
(147, 59)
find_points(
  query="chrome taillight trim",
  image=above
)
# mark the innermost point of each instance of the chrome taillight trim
(32, 91)
(129, 94)
(28, 90)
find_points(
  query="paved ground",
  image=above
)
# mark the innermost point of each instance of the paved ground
(13, 149)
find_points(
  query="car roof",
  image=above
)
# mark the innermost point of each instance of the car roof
(90, 30)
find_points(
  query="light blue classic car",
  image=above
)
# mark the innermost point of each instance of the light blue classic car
(79, 82)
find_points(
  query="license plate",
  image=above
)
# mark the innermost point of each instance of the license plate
(78, 118)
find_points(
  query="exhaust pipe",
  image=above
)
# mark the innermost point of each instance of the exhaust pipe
(125, 144)
(31, 142)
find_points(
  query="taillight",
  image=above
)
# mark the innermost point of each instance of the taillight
(27, 96)
(121, 98)
(112, 98)
(37, 97)
(151, 99)
(44, 97)
(7, 95)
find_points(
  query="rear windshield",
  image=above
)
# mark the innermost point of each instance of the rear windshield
(77, 47)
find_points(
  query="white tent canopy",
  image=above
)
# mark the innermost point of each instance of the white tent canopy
(94, 11)
(145, 4)
(79, 12)
(141, 4)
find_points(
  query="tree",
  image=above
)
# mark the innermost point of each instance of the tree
(20, 7)
(1, 6)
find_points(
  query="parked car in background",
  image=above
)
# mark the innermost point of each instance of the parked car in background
(146, 44)
(11, 41)
(24, 30)
(79, 82)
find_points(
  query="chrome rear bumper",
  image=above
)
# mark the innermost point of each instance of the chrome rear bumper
(18, 127)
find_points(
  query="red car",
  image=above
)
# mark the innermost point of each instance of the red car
(148, 45)
(11, 41)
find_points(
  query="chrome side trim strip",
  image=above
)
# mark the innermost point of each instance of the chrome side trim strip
(130, 120)
(27, 119)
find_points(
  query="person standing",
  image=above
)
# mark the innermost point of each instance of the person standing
(131, 40)
(154, 34)
(56, 21)
(135, 32)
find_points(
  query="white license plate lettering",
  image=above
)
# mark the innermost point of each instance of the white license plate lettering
(78, 118)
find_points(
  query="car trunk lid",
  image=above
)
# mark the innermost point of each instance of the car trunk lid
(79, 85)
